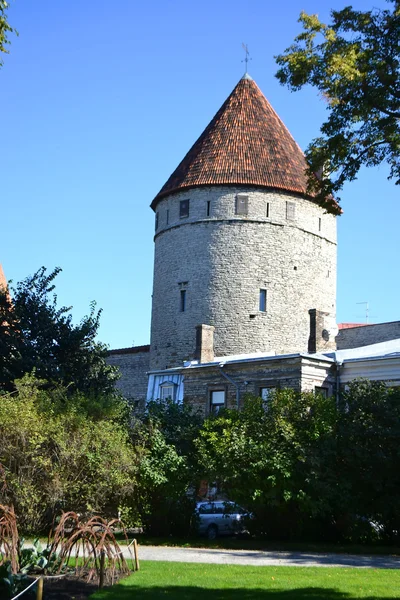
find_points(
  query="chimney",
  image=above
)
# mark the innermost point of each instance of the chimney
(204, 343)
(321, 339)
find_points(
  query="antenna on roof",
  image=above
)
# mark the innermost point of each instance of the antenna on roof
(366, 310)
(246, 59)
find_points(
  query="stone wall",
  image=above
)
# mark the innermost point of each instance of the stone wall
(365, 335)
(133, 364)
(296, 372)
(220, 261)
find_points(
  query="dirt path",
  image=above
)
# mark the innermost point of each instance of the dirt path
(259, 558)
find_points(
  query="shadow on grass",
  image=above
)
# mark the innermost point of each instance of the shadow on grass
(121, 592)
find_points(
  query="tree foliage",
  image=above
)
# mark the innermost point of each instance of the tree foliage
(60, 455)
(5, 29)
(168, 472)
(36, 334)
(354, 63)
(369, 453)
(307, 467)
(275, 461)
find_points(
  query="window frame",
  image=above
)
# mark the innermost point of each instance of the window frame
(290, 210)
(242, 205)
(322, 390)
(166, 385)
(184, 208)
(211, 404)
(262, 300)
(270, 389)
(182, 300)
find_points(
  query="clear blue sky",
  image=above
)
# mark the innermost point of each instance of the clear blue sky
(100, 102)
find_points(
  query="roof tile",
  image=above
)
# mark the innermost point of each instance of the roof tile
(246, 143)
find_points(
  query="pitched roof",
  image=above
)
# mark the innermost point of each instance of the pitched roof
(351, 325)
(246, 143)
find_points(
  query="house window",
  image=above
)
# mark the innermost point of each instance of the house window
(217, 401)
(263, 300)
(322, 391)
(242, 204)
(265, 393)
(184, 209)
(290, 211)
(267, 211)
(167, 390)
(156, 223)
(208, 207)
(183, 301)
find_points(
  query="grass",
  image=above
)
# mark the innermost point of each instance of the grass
(194, 581)
(237, 543)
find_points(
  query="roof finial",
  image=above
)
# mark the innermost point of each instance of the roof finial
(246, 59)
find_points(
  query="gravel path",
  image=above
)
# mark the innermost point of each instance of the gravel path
(260, 558)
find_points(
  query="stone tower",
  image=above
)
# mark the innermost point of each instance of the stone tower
(239, 245)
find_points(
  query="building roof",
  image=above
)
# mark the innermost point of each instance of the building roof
(130, 350)
(381, 349)
(246, 143)
(351, 325)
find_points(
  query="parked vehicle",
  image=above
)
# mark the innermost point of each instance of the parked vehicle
(220, 517)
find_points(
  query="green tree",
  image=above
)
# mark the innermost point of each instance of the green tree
(168, 472)
(369, 454)
(35, 334)
(354, 63)
(278, 461)
(5, 29)
(60, 455)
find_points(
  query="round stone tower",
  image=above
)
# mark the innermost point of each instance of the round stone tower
(239, 245)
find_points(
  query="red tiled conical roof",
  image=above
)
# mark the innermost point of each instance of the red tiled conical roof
(246, 143)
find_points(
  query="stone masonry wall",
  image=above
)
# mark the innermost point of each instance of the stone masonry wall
(367, 334)
(295, 372)
(133, 364)
(221, 262)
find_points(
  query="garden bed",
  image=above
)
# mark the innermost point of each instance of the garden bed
(68, 587)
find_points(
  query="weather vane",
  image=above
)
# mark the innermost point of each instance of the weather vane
(246, 59)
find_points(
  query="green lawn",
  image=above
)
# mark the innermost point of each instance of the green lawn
(191, 581)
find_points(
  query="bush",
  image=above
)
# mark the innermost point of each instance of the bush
(57, 456)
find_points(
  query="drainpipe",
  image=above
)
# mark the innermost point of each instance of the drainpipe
(338, 364)
(221, 365)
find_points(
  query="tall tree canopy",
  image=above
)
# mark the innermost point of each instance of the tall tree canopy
(5, 29)
(35, 334)
(354, 63)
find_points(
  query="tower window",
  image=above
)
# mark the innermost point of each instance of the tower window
(184, 209)
(290, 211)
(156, 221)
(183, 301)
(267, 211)
(263, 300)
(167, 216)
(242, 204)
(319, 224)
(208, 207)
